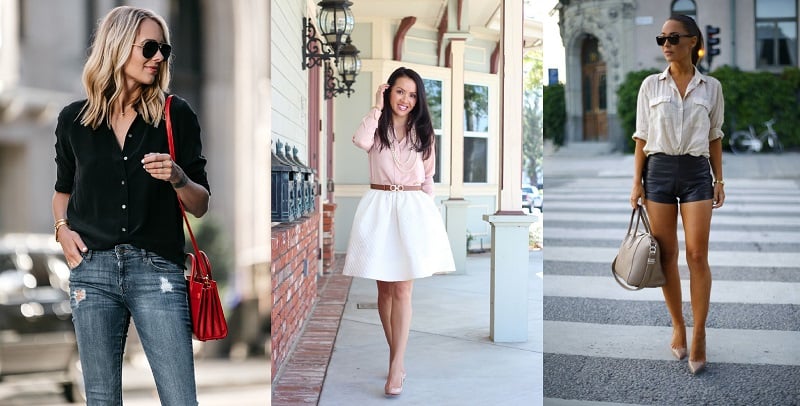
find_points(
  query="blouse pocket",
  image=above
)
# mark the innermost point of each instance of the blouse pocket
(662, 111)
(700, 113)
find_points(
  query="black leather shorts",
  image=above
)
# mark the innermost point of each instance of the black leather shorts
(677, 179)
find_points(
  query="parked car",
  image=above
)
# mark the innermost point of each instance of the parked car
(36, 332)
(531, 198)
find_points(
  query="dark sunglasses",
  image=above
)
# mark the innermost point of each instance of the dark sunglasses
(150, 47)
(673, 39)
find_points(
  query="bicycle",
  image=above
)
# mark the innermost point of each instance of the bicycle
(743, 141)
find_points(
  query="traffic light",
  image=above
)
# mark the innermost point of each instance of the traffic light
(712, 43)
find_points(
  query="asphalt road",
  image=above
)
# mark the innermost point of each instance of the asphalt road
(220, 383)
(604, 344)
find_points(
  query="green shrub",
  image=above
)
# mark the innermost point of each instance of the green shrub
(627, 93)
(555, 113)
(751, 98)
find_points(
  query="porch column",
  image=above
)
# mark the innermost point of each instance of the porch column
(510, 225)
(455, 205)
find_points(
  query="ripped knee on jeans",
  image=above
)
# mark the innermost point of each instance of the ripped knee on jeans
(78, 295)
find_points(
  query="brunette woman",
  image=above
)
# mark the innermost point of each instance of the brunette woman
(397, 233)
(678, 170)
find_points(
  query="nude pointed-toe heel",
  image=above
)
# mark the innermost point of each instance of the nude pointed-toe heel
(679, 353)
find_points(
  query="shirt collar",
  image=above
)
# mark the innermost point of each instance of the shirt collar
(697, 78)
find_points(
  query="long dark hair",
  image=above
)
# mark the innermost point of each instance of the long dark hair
(691, 26)
(419, 118)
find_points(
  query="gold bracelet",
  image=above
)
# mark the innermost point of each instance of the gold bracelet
(57, 225)
(721, 182)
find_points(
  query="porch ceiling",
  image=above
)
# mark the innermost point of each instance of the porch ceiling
(429, 12)
(484, 15)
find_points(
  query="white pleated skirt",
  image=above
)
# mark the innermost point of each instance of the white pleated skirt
(397, 236)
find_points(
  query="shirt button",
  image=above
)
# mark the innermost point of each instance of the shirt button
(124, 206)
(124, 158)
(123, 182)
(130, 135)
(124, 229)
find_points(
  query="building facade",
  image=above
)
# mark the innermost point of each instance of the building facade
(606, 39)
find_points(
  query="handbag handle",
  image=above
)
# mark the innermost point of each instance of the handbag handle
(204, 270)
(651, 258)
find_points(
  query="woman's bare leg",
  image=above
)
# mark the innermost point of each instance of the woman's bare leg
(697, 225)
(664, 224)
(401, 323)
(385, 312)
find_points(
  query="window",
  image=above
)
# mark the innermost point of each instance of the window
(433, 94)
(476, 133)
(776, 33)
(686, 7)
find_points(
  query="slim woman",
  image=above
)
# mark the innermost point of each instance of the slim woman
(678, 169)
(397, 233)
(116, 209)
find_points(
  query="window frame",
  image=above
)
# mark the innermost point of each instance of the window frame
(775, 39)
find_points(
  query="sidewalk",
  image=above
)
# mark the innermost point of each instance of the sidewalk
(450, 359)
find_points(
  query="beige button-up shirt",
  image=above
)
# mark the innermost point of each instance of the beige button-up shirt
(674, 125)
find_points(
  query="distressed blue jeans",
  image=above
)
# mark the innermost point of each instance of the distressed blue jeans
(110, 287)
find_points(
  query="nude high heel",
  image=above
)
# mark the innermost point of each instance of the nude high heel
(395, 391)
(679, 353)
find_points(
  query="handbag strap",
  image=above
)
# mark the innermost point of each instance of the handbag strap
(651, 257)
(203, 269)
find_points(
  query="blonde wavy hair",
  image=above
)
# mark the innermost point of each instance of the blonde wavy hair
(103, 76)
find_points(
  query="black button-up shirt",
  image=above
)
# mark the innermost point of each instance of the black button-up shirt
(113, 200)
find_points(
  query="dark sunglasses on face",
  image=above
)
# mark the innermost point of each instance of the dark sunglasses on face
(150, 47)
(673, 38)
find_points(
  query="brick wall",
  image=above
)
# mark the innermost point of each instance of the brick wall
(295, 247)
(328, 212)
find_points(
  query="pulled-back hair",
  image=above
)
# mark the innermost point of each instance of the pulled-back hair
(419, 119)
(103, 77)
(691, 26)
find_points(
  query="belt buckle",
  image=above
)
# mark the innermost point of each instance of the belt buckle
(396, 188)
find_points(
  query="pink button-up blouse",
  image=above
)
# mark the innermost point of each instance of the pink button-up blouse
(383, 170)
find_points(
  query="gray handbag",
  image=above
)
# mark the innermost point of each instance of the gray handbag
(638, 262)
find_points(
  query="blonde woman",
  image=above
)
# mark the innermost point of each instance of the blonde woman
(116, 209)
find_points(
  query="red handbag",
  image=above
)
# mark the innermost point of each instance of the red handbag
(208, 319)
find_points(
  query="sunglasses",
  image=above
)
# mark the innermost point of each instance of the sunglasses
(150, 47)
(673, 39)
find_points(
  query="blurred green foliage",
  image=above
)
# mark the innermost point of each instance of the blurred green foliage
(751, 98)
(555, 113)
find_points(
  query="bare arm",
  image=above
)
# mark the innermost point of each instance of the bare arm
(715, 159)
(71, 242)
(637, 190)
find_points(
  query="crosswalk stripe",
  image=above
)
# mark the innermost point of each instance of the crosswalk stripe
(715, 258)
(767, 347)
(723, 291)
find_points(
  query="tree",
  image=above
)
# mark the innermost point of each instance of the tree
(532, 144)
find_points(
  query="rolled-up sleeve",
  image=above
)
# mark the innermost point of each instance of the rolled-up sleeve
(65, 158)
(642, 112)
(717, 114)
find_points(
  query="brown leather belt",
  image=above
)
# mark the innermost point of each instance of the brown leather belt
(395, 188)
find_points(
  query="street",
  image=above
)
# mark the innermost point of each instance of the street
(220, 382)
(606, 344)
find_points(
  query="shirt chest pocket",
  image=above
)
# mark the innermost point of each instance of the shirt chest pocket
(699, 112)
(662, 110)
